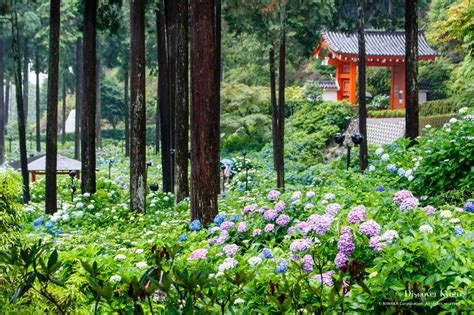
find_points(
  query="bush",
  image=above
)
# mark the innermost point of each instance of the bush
(440, 107)
(380, 102)
(10, 211)
(386, 113)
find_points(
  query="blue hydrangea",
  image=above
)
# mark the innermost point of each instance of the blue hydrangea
(38, 221)
(219, 219)
(234, 218)
(401, 172)
(380, 188)
(58, 232)
(266, 253)
(391, 168)
(195, 225)
(458, 230)
(183, 237)
(48, 224)
(78, 232)
(469, 206)
(282, 266)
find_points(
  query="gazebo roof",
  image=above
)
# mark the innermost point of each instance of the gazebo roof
(377, 43)
(38, 163)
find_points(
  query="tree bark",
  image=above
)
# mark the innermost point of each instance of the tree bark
(363, 155)
(7, 100)
(79, 90)
(280, 156)
(52, 120)
(204, 114)
(2, 105)
(38, 116)
(88, 182)
(182, 108)
(138, 108)
(26, 58)
(163, 98)
(126, 111)
(411, 70)
(171, 16)
(273, 99)
(20, 108)
(98, 134)
(63, 138)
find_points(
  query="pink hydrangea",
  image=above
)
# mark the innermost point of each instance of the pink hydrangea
(332, 209)
(370, 228)
(402, 195)
(430, 210)
(256, 232)
(242, 227)
(269, 228)
(226, 225)
(377, 243)
(282, 220)
(230, 249)
(308, 206)
(280, 206)
(357, 214)
(198, 254)
(409, 204)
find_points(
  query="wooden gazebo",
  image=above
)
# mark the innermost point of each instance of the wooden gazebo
(383, 49)
(37, 166)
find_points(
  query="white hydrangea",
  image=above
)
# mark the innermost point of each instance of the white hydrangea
(428, 126)
(239, 301)
(297, 195)
(385, 157)
(445, 214)
(120, 257)
(86, 195)
(139, 250)
(115, 278)
(379, 151)
(426, 228)
(390, 235)
(371, 168)
(255, 260)
(453, 120)
(79, 205)
(141, 265)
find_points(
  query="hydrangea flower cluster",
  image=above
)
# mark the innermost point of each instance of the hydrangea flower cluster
(242, 227)
(370, 228)
(230, 250)
(401, 195)
(325, 278)
(195, 225)
(446, 214)
(346, 242)
(269, 228)
(255, 260)
(273, 195)
(266, 253)
(280, 206)
(300, 245)
(357, 214)
(228, 263)
(282, 266)
(430, 210)
(307, 263)
(333, 208)
(469, 206)
(219, 219)
(320, 223)
(270, 215)
(200, 253)
(226, 225)
(282, 220)
(310, 194)
(391, 168)
(409, 204)
(329, 196)
(296, 195)
(256, 232)
(248, 209)
(426, 229)
(458, 230)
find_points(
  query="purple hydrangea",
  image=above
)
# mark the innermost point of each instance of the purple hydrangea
(282, 220)
(242, 227)
(380, 188)
(320, 223)
(357, 214)
(333, 209)
(269, 228)
(430, 210)
(262, 209)
(198, 254)
(370, 228)
(329, 196)
(346, 243)
(310, 194)
(282, 266)
(222, 237)
(377, 243)
(307, 263)
(325, 278)
(346, 229)
(273, 194)
(341, 260)
(280, 206)
(402, 195)
(230, 250)
(469, 206)
(308, 206)
(270, 215)
(256, 232)
(226, 225)
(409, 204)
(248, 209)
(267, 253)
(290, 230)
(300, 245)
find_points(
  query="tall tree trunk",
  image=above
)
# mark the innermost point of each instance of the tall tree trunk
(52, 120)
(163, 98)
(7, 100)
(38, 116)
(204, 114)
(2, 105)
(98, 105)
(157, 127)
(411, 70)
(280, 156)
(273, 98)
(126, 111)
(63, 138)
(79, 90)
(21, 111)
(182, 108)
(363, 155)
(171, 12)
(138, 106)
(26, 59)
(88, 182)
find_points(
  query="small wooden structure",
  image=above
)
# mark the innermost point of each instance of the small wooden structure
(383, 49)
(37, 166)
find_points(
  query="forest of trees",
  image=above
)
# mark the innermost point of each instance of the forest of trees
(162, 63)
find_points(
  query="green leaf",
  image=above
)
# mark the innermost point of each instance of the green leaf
(53, 259)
